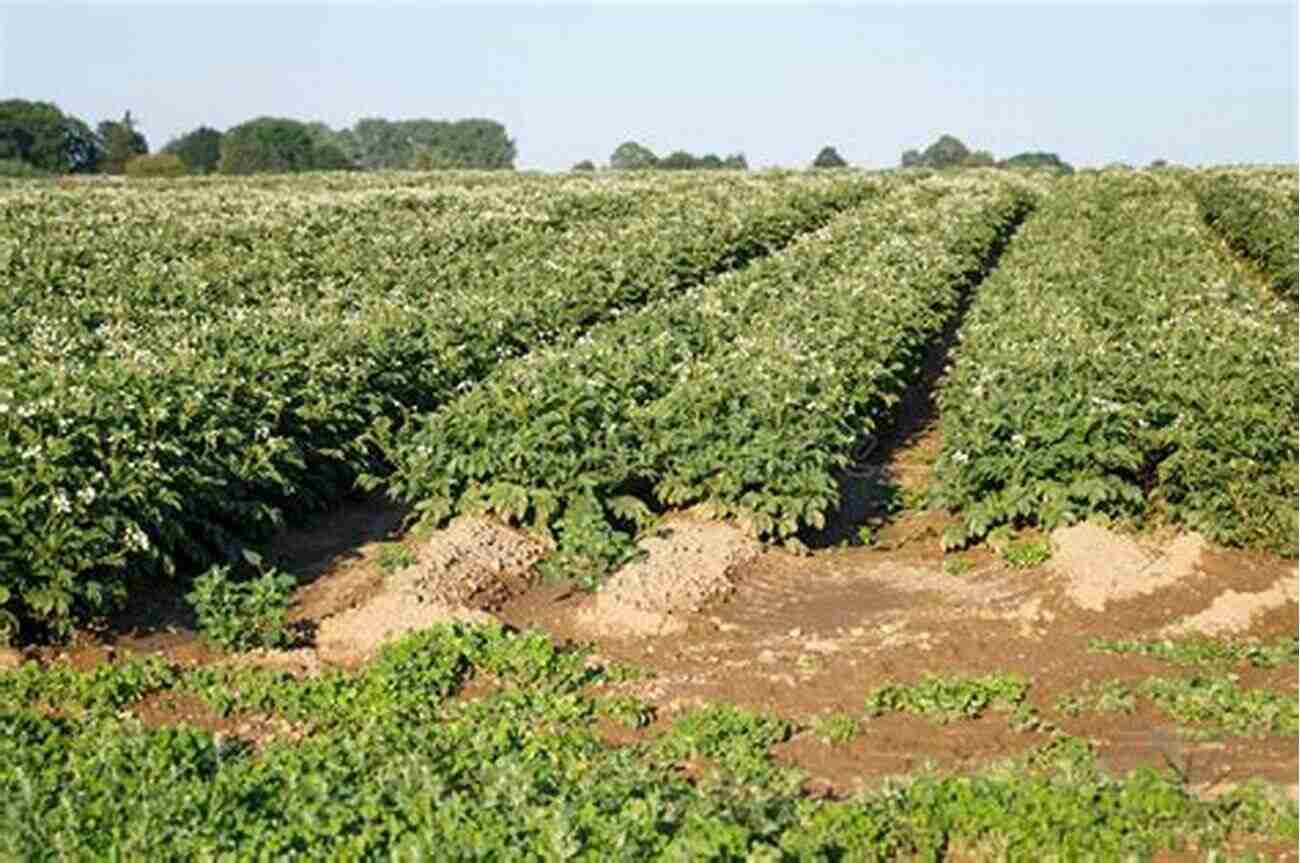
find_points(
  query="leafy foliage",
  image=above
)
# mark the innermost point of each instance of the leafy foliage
(1211, 705)
(250, 333)
(1116, 364)
(828, 157)
(157, 165)
(1201, 650)
(948, 698)
(239, 615)
(393, 767)
(1028, 554)
(38, 134)
(837, 728)
(266, 144)
(122, 143)
(1256, 211)
(747, 394)
(199, 149)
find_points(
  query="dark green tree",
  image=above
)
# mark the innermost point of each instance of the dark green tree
(946, 152)
(199, 150)
(678, 160)
(911, 159)
(631, 156)
(266, 144)
(121, 143)
(40, 135)
(584, 165)
(375, 143)
(1049, 161)
(829, 158)
(82, 149)
(736, 162)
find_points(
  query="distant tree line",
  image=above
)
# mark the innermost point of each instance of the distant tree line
(631, 156)
(949, 152)
(37, 137)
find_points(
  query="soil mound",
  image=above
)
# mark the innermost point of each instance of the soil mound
(1101, 566)
(460, 571)
(687, 564)
(1234, 611)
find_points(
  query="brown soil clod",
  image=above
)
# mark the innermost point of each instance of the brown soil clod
(472, 565)
(1234, 611)
(687, 565)
(1101, 566)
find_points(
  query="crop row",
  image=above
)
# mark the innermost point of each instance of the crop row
(1117, 364)
(399, 761)
(747, 394)
(143, 438)
(1257, 212)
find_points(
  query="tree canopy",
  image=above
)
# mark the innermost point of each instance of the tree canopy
(829, 158)
(949, 152)
(122, 143)
(375, 143)
(266, 144)
(631, 156)
(199, 150)
(40, 135)
(1050, 161)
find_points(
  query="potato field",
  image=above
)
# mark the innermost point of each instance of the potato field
(845, 388)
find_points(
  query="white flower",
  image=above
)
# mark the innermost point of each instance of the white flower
(137, 539)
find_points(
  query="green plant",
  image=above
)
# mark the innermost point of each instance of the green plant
(626, 710)
(1200, 650)
(1110, 697)
(155, 165)
(957, 566)
(394, 556)
(239, 615)
(1255, 211)
(268, 326)
(948, 698)
(1026, 555)
(1083, 381)
(713, 411)
(835, 729)
(19, 170)
(1217, 704)
(1209, 705)
(390, 766)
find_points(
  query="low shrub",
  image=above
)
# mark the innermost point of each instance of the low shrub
(157, 165)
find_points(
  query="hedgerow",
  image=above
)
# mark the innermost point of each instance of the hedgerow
(747, 394)
(169, 393)
(1117, 364)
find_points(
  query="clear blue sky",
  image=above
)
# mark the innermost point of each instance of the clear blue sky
(1195, 84)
